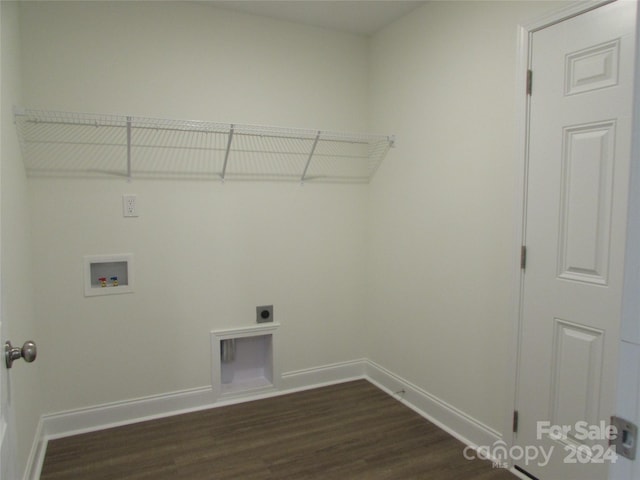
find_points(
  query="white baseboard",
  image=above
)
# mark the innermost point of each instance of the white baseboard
(74, 422)
(460, 425)
(465, 428)
(36, 455)
(324, 375)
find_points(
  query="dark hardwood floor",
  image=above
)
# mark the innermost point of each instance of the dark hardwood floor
(347, 431)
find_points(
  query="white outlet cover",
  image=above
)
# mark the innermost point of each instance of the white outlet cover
(130, 205)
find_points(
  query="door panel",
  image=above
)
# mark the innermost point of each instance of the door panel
(592, 68)
(575, 230)
(574, 392)
(585, 208)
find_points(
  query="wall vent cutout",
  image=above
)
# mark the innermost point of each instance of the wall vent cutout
(244, 360)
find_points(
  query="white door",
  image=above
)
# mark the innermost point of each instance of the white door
(7, 467)
(576, 211)
(7, 457)
(7, 446)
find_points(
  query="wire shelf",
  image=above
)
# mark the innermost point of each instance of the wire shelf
(63, 144)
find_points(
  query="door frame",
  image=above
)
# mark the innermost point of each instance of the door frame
(523, 63)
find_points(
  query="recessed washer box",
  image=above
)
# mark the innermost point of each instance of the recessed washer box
(253, 367)
(108, 274)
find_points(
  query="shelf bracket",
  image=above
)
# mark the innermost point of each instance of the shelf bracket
(226, 155)
(129, 148)
(18, 111)
(313, 149)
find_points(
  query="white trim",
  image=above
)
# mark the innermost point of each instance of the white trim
(464, 427)
(99, 417)
(247, 331)
(325, 375)
(522, 108)
(271, 384)
(36, 455)
(573, 9)
(83, 420)
(455, 422)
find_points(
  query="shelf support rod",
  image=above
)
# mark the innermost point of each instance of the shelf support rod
(226, 155)
(313, 149)
(129, 148)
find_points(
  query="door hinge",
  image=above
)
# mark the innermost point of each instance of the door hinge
(523, 257)
(515, 421)
(529, 81)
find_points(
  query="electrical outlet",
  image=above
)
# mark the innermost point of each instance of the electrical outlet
(264, 314)
(130, 205)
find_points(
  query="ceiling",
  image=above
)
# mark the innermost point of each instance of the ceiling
(363, 17)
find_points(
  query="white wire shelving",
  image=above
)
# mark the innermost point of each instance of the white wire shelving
(68, 144)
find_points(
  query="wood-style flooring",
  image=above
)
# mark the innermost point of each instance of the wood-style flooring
(347, 431)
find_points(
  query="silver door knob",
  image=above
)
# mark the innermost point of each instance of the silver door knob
(28, 352)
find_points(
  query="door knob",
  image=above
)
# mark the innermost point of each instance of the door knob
(28, 352)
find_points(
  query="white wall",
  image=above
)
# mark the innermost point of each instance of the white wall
(17, 299)
(206, 254)
(413, 271)
(191, 60)
(441, 216)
